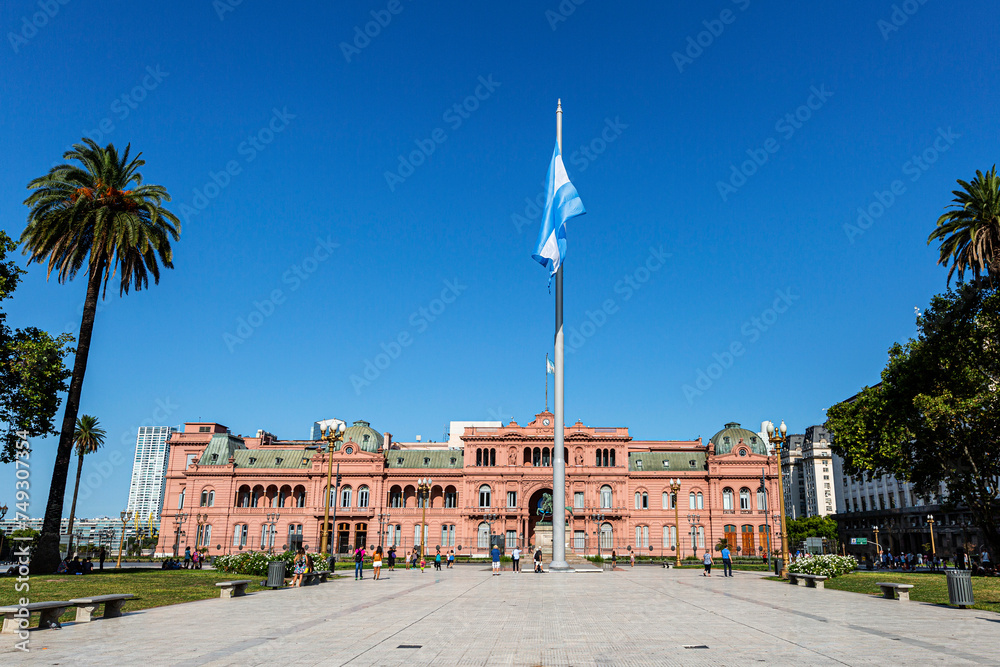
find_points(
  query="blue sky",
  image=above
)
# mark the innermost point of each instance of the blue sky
(720, 150)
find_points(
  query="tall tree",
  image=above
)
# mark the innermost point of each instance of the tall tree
(935, 417)
(970, 232)
(32, 369)
(97, 215)
(88, 438)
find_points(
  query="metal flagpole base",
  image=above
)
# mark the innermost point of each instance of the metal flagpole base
(560, 566)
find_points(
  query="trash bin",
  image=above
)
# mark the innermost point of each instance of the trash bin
(276, 574)
(778, 564)
(959, 587)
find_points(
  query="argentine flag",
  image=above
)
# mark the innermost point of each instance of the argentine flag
(561, 203)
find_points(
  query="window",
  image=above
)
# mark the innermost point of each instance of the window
(450, 498)
(612, 458)
(483, 536)
(744, 498)
(267, 533)
(484, 496)
(605, 497)
(638, 464)
(692, 464)
(511, 541)
(294, 536)
(204, 429)
(727, 498)
(579, 540)
(644, 505)
(641, 537)
(240, 535)
(363, 496)
(761, 499)
(700, 501)
(427, 461)
(395, 497)
(345, 496)
(416, 534)
(729, 533)
(666, 464)
(692, 501)
(638, 500)
(204, 537)
(578, 499)
(512, 499)
(669, 537)
(607, 536)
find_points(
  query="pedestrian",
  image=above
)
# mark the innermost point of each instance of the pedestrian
(727, 562)
(409, 556)
(614, 559)
(298, 567)
(515, 557)
(538, 560)
(451, 559)
(195, 557)
(708, 564)
(359, 562)
(631, 556)
(392, 558)
(377, 562)
(495, 555)
(437, 558)
(187, 557)
(102, 556)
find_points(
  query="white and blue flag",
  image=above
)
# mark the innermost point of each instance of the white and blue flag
(562, 202)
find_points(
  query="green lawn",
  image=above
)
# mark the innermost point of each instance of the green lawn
(926, 587)
(152, 588)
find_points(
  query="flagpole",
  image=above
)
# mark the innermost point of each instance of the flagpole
(546, 381)
(558, 461)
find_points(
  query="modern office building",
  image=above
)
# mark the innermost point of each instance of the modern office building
(810, 481)
(149, 469)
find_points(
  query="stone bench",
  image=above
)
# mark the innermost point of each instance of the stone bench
(889, 590)
(49, 613)
(86, 607)
(808, 580)
(313, 578)
(233, 589)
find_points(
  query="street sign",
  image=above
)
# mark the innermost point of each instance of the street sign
(859, 541)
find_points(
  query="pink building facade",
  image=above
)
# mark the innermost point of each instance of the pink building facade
(230, 493)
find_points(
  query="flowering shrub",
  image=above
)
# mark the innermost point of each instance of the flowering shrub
(829, 565)
(255, 562)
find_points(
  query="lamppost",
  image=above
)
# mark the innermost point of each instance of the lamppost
(382, 517)
(424, 489)
(126, 516)
(3, 513)
(331, 436)
(778, 437)
(199, 536)
(598, 518)
(767, 505)
(272, 520)
(930, 522)
(675, 490)
(694, 519)
(489, 520)
(179, 520)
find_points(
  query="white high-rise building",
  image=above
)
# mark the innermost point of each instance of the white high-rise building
(807, 465)
(145, 494)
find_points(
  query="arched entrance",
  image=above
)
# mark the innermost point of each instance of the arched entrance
(534, 502)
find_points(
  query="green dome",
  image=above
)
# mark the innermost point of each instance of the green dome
(362, 434)
(730, 436)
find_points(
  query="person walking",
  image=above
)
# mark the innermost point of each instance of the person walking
(437, 558)
(392, 558)
(377, 562)
(515, 557)
(195, 560)
(451, 559)
(727, 562)
(538, 560)
(299, 567)
(614, 559)
(102, 556)
(708, 564)
(187, 557)
(359, 563)
(495, 555)
(631, 555)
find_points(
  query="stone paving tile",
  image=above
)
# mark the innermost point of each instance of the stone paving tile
(641, 616)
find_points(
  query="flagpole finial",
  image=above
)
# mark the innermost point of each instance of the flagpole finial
(559, 105)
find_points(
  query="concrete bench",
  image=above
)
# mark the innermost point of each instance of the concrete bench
(808, 580)
(889, 590)
(315, 578)
(87, 607)
(49, 613)
(233, 589)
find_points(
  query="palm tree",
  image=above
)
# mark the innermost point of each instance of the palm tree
(970, 233)
(88, 438)
(100, 216)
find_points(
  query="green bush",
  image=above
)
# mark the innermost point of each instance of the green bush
(829, 565)
(256, 562)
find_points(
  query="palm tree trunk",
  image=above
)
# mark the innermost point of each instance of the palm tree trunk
(72, 509)
(46, 557)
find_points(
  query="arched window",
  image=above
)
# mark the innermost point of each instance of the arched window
(258, 493)
(450, 497)
(485, 496)
(597, 461)
(727, 498)
(665, 499)
(607, 536)
(332, 491)
(701, 501)
(605, 496)
(645, 501)
(416, 534)
(744, 498)
(641, 537)
(761, 499)
(479, 457)
(240, 535)
(692, 501)
(345, 496)
(300, 496)
(669, 537)
(283, 496)
(536, 457)
(395, 497)
(527, 456)
(606, 459)
(638, 500)
(243, 496)
(493, 457)
(483, 536)
(612, 458)
(363, 496)
(208, 498)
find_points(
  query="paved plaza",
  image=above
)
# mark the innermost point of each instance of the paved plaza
(641, 616)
